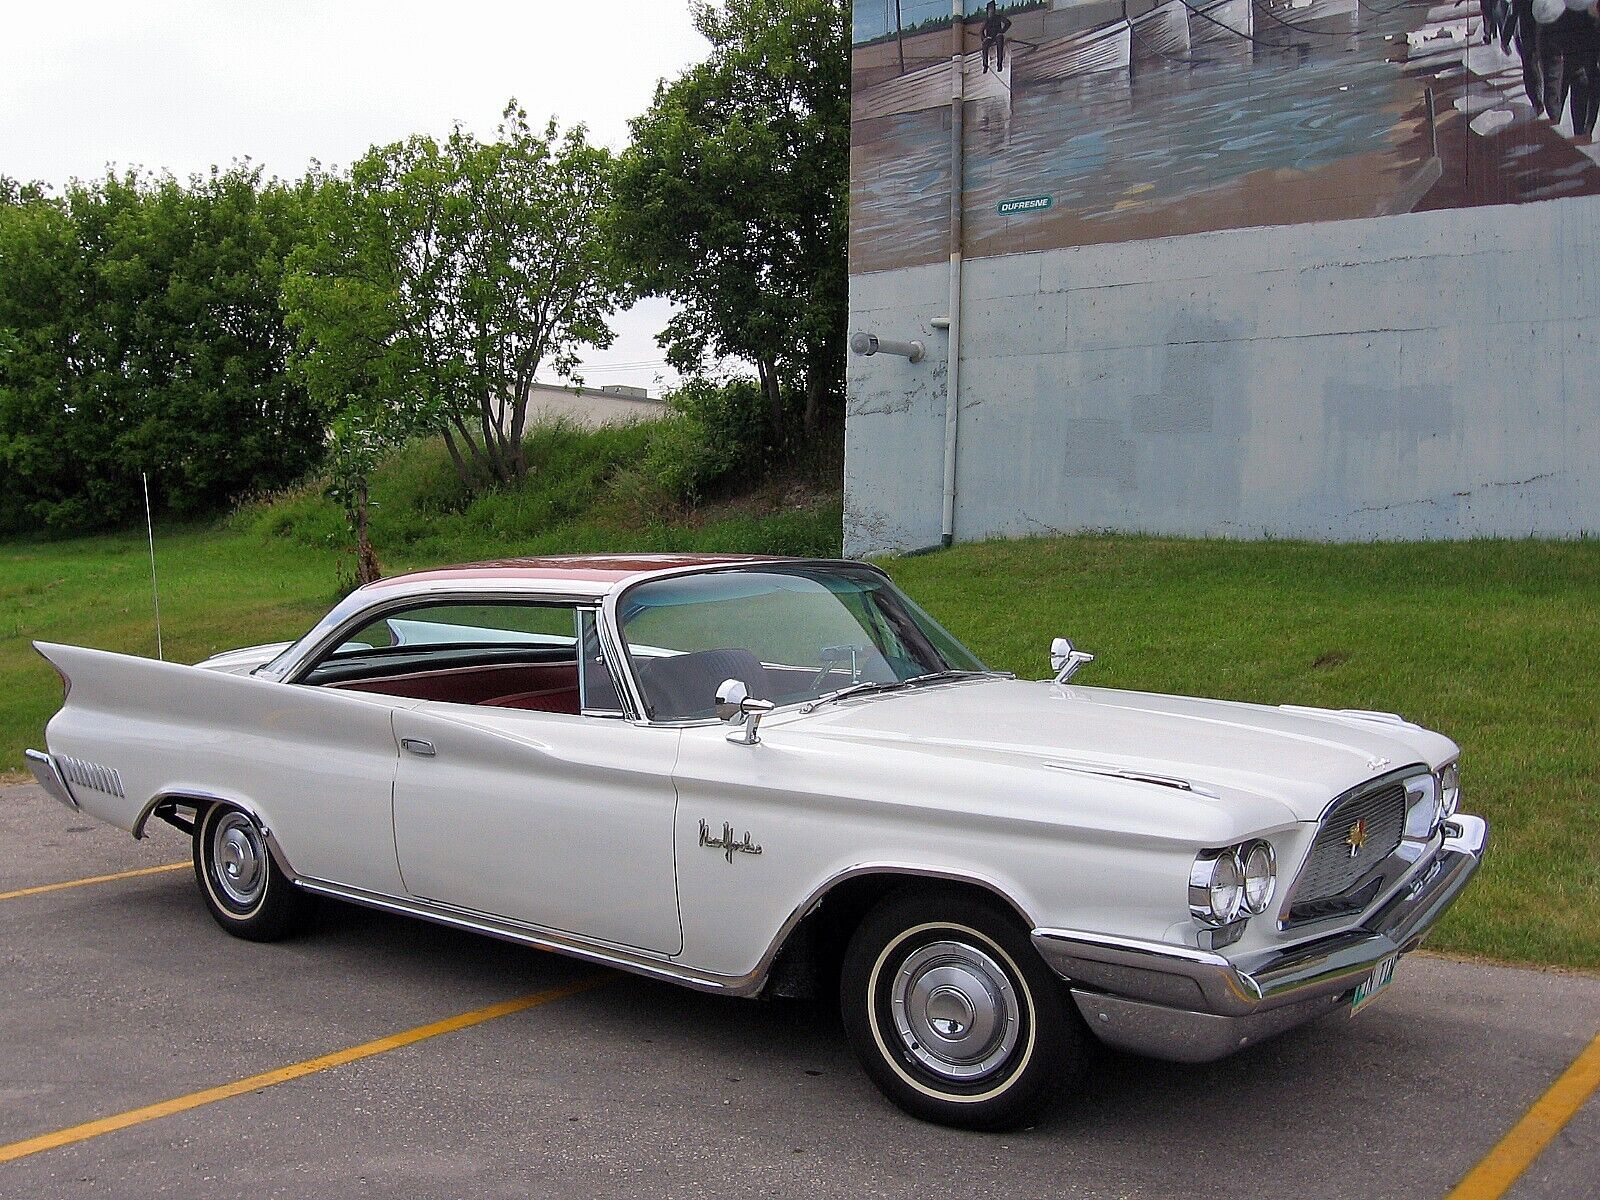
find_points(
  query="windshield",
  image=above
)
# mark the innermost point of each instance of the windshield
(790, 634)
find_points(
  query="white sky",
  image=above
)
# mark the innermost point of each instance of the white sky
(179, 85)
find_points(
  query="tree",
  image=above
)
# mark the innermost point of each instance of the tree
(15, 192)
(442, 276)
(733, 198)
(359, 437)
(140, 330)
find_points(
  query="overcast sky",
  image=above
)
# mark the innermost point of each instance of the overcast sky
(178, 85)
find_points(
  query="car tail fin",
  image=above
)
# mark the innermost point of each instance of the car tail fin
(44, 649)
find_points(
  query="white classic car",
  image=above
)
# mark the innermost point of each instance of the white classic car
(778, 776)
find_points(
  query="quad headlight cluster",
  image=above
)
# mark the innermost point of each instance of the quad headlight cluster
(1236, 881)
(1449, 791)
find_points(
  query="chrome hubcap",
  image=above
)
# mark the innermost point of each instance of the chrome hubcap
(955, 1010)
(239, 859)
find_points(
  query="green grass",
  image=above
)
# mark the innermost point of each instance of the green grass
(1496, 643)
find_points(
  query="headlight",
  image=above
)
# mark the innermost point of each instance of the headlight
(1449, 790)
(1260, 877)
(1216, 887)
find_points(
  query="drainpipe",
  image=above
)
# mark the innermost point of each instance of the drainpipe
(952, 398)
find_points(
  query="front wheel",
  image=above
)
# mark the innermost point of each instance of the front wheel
(953, 1014)
(244, 890)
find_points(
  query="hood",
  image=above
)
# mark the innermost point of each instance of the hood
(1302, 758)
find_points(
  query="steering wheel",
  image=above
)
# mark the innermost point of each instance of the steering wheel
(831, 657)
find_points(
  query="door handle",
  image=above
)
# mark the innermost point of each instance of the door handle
(417, 746)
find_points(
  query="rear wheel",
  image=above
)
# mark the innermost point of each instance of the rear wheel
(954, 1015)
(244, 890)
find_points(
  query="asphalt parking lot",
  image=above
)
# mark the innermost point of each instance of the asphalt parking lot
(122, 994)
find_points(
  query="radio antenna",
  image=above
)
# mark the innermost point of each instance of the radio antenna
(155, 591)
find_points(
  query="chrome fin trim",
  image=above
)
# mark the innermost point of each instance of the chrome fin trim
(92, 775)
(49, 777)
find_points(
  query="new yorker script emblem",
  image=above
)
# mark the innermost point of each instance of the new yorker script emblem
(726, 842)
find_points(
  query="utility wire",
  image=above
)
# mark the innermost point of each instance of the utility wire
(1277, 20)
(1265, 45)
(1238, 33)
(1156, 50)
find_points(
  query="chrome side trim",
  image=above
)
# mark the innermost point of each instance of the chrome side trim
(194, 799)
(1111, 772)
(530, 935)
(49, 776)
(1202, 981)
(621, 958)
(820, 893)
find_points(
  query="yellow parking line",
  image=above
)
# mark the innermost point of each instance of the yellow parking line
(1515, 1152)
(75, 883)
(311, 1066)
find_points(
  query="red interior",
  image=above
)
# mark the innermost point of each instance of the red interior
(540, 687)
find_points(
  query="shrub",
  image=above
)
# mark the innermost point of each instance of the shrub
(715, 437)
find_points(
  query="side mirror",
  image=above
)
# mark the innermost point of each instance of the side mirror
(736, 706)
(1065, 659)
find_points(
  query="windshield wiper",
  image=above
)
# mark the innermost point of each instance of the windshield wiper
(941, 676)
(866, 688)
(855, 689)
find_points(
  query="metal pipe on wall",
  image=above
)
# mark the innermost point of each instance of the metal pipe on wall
(952, 400)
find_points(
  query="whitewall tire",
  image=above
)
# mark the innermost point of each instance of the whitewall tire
(243, 888)
(953, 1014)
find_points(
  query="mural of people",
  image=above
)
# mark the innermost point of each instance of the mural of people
(1122, 120)
(995, 27)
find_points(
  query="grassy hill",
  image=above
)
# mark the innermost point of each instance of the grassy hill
(587, 490)
(1496, 643)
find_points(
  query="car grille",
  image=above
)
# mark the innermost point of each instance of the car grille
(1328, 884)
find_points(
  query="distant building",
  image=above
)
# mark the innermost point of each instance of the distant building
(610, 404)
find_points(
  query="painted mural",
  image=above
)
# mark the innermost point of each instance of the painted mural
(1091, 121)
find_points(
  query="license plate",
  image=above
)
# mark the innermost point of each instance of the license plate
(1382, 976)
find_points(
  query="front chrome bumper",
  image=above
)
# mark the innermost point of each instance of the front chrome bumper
(49, 776)
(1193, 1005)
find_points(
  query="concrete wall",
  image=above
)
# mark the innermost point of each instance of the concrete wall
(1432, 375)
(588, 407)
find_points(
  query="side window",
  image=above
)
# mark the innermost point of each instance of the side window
(598, 686)
(446, 627)
(498, 654)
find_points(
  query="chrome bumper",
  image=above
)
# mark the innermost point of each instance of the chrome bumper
(49, 776)
(1196, 1005)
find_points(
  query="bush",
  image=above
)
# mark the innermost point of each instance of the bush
(714, 437)
(586, 491)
